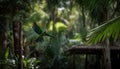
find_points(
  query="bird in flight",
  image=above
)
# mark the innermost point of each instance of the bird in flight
(40, 32)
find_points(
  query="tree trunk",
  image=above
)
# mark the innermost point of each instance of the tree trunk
(17, 35)
(107, 58)
(3, 34)
(3, 38)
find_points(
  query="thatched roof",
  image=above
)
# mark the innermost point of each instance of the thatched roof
(82, 49)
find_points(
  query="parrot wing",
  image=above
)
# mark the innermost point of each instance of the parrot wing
(37, 29)
(40, 39)
(47, 34)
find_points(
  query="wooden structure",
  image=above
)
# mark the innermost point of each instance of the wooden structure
(97, 50)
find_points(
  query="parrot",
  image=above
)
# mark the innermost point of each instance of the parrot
(40, 32)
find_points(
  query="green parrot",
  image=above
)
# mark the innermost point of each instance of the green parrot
(39, 31)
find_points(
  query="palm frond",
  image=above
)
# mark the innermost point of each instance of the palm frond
(108, 29)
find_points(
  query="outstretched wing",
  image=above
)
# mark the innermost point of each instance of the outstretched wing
(47, 34)
(41, 33)
(37, 29)
(40, 39)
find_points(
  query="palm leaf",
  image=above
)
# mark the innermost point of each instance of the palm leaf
(108, 29)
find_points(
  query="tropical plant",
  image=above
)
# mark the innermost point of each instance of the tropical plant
(31, 63)
(110, 29)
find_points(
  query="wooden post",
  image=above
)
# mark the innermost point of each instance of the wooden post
(74, 63)
(86, 62)
(107, 58)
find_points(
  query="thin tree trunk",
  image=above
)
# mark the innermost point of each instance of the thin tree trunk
(3, 34)
(17, 35)
(107, 58)
(53, 13)
(3, 38)
(83, 17)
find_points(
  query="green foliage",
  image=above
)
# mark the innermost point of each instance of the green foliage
(69, 21)
(108, 29)
(31, 63)
(6, 53)
(60, 27)
(6, 62)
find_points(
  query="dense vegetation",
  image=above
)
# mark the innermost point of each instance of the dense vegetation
(36, 34)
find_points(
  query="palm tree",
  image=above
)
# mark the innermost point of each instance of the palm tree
(100, 11)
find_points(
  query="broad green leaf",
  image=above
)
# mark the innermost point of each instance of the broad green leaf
(108, 29)
(6, 53)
